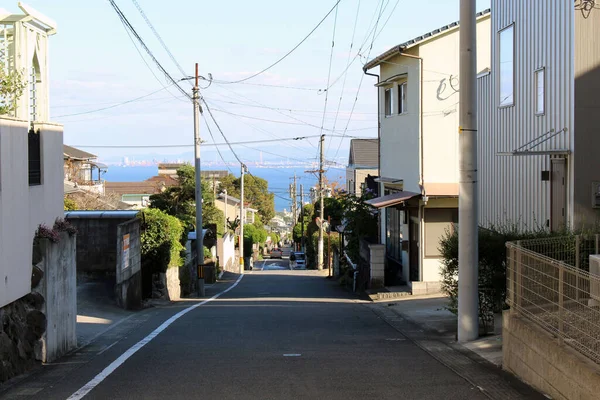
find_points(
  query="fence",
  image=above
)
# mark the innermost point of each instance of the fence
(548, 283)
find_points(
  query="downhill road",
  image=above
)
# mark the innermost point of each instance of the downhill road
(277, 334)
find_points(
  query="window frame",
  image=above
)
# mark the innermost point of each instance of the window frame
(387, 102)
(501, 103)
(34, 166)
(402, 92)
(536, 73)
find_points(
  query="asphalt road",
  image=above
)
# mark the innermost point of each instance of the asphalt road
(278, 334)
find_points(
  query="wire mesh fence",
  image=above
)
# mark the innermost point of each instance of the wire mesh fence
(548, 282)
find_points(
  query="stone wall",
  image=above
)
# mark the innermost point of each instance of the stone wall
(128, 287)
(536, 357)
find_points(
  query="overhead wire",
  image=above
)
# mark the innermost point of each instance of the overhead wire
(291, 51)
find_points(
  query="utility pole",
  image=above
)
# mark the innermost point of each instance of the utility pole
(468, 256)
(321, 206)
(294, 200)
(226, 206)
(199, 236)
(329, 244)
(242, 220)
(302, 216)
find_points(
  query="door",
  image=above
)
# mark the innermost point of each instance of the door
(558, 194)
(413, 251)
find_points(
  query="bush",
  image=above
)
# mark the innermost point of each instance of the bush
(160, 240)
(492, 266)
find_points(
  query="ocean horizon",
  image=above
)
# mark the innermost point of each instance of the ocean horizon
(279, 179)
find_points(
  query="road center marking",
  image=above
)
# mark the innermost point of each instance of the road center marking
(133, 349)
(292, 355)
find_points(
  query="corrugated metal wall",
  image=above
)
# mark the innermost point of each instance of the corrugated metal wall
(511, 189)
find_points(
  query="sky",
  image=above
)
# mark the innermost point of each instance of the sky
(95, 64)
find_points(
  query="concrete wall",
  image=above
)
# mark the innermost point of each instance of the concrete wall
(536, 357)
(96, 245)
(22, 207)
(129, 265)
(377, 259)
(355, 177)
(59, 288)
(226, 252)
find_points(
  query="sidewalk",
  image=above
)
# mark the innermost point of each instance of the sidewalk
(425, 321)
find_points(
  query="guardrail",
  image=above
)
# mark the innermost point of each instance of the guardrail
(545, 287)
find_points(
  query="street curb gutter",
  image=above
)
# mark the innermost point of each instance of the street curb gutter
(493, 382)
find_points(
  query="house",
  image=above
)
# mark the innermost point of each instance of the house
(418, 149)
(83, 169)
(363, 161)
(231, 208)
(538, 140)
(138, 194)
(31, 149)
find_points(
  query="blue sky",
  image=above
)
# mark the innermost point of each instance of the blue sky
(94, 64)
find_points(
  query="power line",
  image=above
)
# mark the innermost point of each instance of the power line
(289, 52)
(112, 106)
(213, 139)
(145, 47)
(267, 85)
(329, 69)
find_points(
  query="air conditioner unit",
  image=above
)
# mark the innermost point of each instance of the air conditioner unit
(594, 280)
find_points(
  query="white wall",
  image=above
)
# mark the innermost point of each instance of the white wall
(24, 207)
(226, 252)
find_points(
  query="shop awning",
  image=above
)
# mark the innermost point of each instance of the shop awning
(391, 199)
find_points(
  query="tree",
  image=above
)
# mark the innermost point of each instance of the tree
(256, 192)
(179, 201)
(12, 85)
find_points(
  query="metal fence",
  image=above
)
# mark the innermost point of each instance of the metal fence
(545, 286)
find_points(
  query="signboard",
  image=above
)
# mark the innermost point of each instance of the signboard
(126, 251)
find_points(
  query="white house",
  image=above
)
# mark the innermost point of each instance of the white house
(418, 146)
(362, 162)
(231, 208)
(538, 128)
(31, 151)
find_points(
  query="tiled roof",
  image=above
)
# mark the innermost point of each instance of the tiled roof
(72, 152)
(364, 153)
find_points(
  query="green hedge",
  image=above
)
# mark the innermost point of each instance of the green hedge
(161, 236)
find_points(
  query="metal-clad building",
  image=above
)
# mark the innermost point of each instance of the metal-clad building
(537, 144)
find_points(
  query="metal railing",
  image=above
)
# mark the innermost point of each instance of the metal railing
(545, 286)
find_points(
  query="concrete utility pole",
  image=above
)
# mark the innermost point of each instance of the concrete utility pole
(321, 206)
(302, 217)
(243, 167)
(226, 204)
(468, 239)
(329, 244)
(199, 237)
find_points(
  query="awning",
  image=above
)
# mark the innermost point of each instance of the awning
(99, 165)
(391, 199)
(433, 189)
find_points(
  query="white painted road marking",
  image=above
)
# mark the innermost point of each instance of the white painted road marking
(133, 349)
(292, 355)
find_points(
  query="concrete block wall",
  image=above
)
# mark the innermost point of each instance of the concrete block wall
(377, 258)
(226, 252)
(59, 288)
(536, 357)
(128, 287)
(96, 245)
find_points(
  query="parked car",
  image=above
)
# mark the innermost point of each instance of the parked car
(300, 262)
(276, 253)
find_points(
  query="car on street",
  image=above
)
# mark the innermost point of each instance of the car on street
(299, 260)
(276, 253)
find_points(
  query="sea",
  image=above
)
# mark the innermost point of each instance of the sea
(279, 179)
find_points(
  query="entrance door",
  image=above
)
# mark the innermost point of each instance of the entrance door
(558, 194)
(414, 245)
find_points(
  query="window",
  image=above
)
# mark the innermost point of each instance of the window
(35, 157)
(394, 221)
(540, 89)
(507, 66)
(388, 102)
(402, 89)
(437, 221)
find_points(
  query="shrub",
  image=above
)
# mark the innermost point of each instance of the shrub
(44, 232)
(492, 265)
(62, 225)
(160, 240)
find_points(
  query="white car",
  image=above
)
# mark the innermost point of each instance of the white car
(299, 262)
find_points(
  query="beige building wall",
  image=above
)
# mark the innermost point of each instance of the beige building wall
(355, 177)
(22, 207)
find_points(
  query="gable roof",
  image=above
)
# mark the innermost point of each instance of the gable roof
(416, 41)
(364, 153)
(77, 154)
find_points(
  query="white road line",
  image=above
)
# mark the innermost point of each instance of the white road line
(292, 355)
(84, 390)
(107, 347)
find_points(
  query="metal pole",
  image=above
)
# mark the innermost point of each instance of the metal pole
(302, 216)
(468, 257)
(199, 237)
(329, 244)
(243, 167)
(321, 206)
(226, 205)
